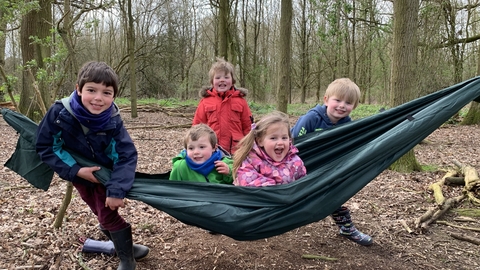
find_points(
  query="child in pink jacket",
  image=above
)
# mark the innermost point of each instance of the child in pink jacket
(267, 156)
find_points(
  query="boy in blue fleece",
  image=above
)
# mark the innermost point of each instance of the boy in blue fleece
(88, 123)
(341, 98)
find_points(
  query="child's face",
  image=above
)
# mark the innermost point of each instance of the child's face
(200, 150)
(222, 81)
(276, 141)
(96, 97)
(337, 108)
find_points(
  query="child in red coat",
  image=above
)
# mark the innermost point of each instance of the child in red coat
(223, 106)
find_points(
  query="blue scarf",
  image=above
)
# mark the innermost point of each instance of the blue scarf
(206, 167)
(95, 122)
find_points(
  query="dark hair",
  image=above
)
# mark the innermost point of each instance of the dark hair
(97, 72)
(197, 131)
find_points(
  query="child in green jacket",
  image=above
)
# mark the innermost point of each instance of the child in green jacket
(202, 160)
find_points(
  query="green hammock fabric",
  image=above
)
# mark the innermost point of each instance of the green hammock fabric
(340, 162)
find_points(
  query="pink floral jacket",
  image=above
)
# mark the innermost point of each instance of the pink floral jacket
(259, 170)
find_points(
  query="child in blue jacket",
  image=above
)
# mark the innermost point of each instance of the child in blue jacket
(341, 98)
(89, 123)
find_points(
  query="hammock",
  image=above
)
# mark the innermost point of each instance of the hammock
(340, 161)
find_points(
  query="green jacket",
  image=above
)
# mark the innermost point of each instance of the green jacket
(181, 172)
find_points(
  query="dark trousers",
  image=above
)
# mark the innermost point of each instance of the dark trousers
(95, 198)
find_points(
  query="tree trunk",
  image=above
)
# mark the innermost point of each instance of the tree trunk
(131, 61)
(404, 60)
(223, 11)
(36, 23)
(283, 89)
(473, 115)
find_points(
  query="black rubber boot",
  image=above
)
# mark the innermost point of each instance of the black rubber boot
(139, 251)
(122, 240)
(342, 218)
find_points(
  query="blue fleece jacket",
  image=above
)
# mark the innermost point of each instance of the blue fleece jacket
(111, 147)
(315, 119)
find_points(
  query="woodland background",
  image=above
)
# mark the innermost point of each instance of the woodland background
(284, 51)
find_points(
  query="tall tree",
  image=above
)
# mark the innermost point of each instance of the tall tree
(34, 35)
(126, 7)
(285, 47)
(404, 58)
(223, 14)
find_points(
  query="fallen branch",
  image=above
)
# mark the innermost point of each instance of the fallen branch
(17, 187)
(470, 175)
(427, 215)
(448, 204)
(458, 226)
(458, 181)
(160, 126)
(312, 257)
(405, 226)
(465, 238)
(437, 188)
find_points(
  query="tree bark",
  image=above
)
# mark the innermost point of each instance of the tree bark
(404, 60)
(283, 89)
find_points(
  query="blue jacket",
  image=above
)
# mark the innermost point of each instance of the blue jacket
(112, 147)
(315, 119)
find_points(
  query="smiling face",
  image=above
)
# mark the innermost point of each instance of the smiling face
(222, 81)
(337, 108)
(96, 97)
(276, 141)
(200, 150)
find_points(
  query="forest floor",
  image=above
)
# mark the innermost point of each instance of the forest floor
(29, 241)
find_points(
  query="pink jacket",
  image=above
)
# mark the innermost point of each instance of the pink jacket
(259, 170)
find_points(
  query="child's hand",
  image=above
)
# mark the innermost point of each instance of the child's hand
(222, 167)
(87, 173)
(114, 203)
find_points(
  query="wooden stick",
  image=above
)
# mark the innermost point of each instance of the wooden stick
(465, 238)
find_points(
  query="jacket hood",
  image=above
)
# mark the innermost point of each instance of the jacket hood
(209, 91)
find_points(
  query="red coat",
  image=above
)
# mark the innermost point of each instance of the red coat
(226, 113)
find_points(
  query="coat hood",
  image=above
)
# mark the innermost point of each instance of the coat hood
(208, 91)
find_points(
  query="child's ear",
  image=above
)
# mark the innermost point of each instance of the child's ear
(78, 90)
(325, 99)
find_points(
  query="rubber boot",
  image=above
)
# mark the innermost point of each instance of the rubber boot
(139, 251)
(343, 220)
(122, 240)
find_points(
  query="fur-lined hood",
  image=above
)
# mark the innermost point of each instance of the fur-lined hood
(206, 91)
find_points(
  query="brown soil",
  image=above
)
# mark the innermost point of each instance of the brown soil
(29, 241)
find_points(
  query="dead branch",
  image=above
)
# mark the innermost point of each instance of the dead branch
(458, 226)
(437, 188)
(465, 238)
(470, 175)
(427, 215)
(309, 256)
(448, 204)
(160, 126)
(405, 226)
(459, 181)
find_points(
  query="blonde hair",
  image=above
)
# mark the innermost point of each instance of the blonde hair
(197, 131)
(221, 66)
(345, 89)
(257, 133)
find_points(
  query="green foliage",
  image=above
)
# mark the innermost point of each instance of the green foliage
(363, 111)
(429, 168)
(169, 102)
